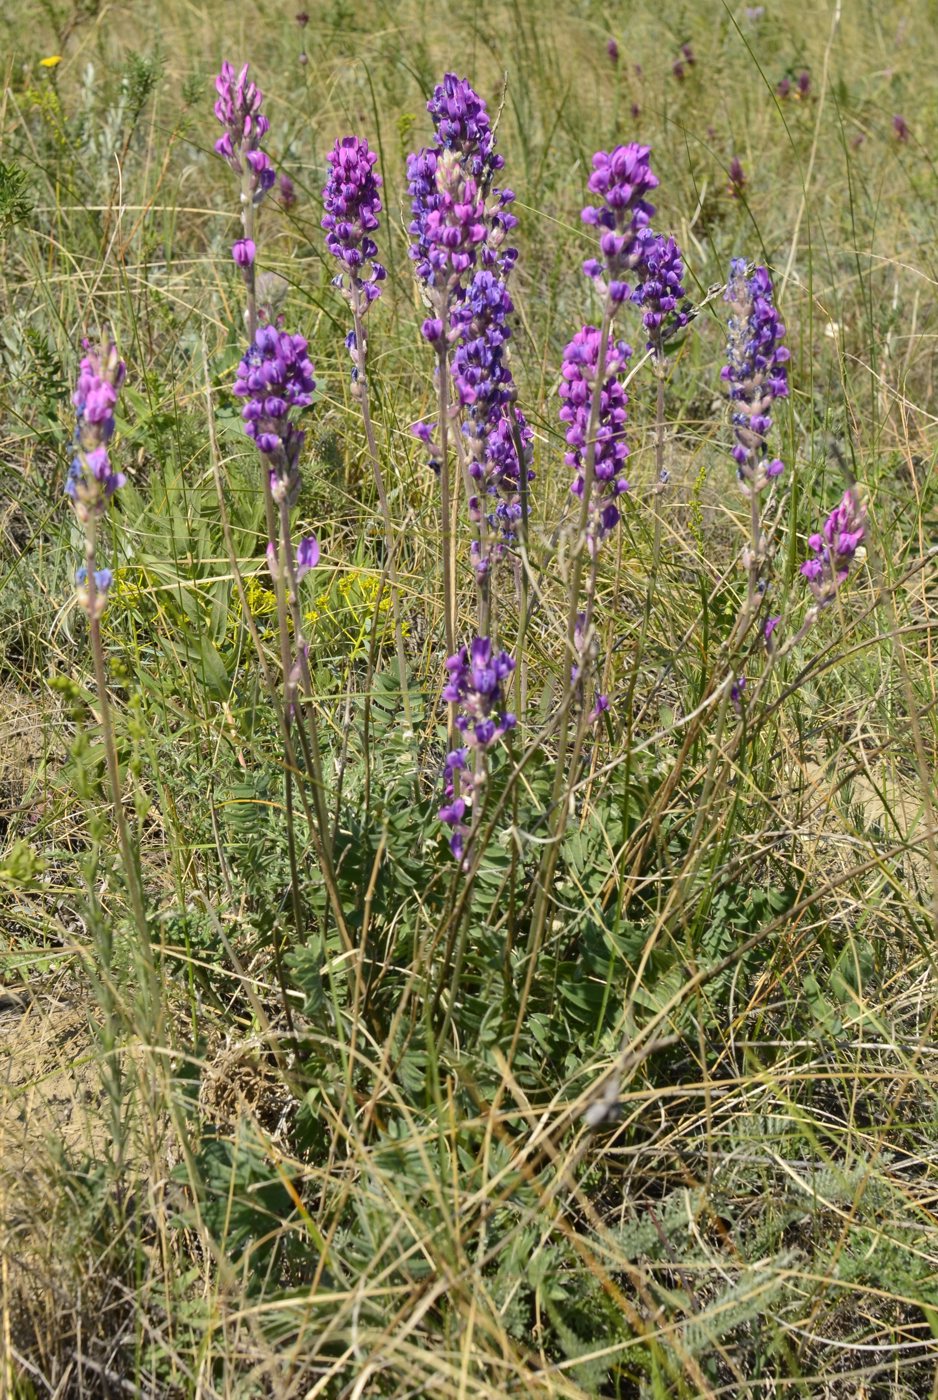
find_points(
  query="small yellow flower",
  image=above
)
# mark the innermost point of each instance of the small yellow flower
(51, 62)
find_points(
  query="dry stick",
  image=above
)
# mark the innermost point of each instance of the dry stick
(389, 540)
(269, 682)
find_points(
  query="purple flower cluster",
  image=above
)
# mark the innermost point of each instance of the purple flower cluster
(239, 110)
(485, 390)
(353, 203)
(462, 125)
(661, 292)
(622, 177)
(835, 547)
(91, 479)
(476, 674)
(579, 374)
(276, 376)
(756, 372)
(465, 141)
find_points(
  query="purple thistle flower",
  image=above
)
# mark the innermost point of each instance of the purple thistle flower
(91, 480)
(612, 49)
(476, 674)
(901, 128)
(287, 192)
(579, 371)
(737, 177)
(276, 376)
(353, 203)
(756, 372)
(783, 87)
(804, 83)
(623, 177)
(662, 288)
(239, 110)
(835, 548)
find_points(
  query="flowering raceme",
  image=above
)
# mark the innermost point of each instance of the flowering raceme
(485, 390)
(276, 376)
(835, 548)
(622, 177)
(239, 110)
(353, 202)
(467, 146)
(476, 674)
(91, 479)
(756, 372)
(661, 267)
(580, 368)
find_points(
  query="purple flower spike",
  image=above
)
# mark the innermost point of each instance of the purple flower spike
(466, 141)
(737, 178)
(476, 674)
(274, 377)
(835, 548)
(91, 480)
(756, 372)
(661, 291)
(485, 390)
(622, 177)
(462, 126)
(239, 110)
(353, 203)
(579, 372)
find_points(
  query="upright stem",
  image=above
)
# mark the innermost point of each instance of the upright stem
(389, 540)
(247, 221)
(128, 858)
(580, 547)
(288, 591)
(290, 754)
(446, 521)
